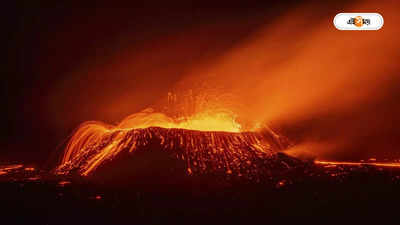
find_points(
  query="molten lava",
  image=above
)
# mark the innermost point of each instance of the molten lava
(205, 142)
(7, 168)
(377, 164)
(203, 121)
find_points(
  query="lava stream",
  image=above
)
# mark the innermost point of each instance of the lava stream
(378, 164)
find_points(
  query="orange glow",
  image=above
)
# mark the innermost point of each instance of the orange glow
(269, 77)
(203, 121)
(294, 73)
(90, 133)
(109, 140)
(212, 136)
(6, 169)
(63, 183)
(336, 163)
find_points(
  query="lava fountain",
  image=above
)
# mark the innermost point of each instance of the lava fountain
(205, 142)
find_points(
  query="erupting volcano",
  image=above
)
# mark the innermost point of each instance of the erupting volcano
(204, 143)
(199, 112)
(203, 138)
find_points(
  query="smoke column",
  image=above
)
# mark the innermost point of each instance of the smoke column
(334, 91)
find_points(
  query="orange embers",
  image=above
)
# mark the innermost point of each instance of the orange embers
(379, 164)
(112, 139)
(63, 183)
(6, 169)
(241, 154)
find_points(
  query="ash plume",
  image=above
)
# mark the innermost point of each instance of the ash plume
(333, 92)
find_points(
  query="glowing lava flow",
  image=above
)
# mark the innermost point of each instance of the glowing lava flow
(204, 121)
(236, 153)
(205, 143)
(7, 168)
(378, 164)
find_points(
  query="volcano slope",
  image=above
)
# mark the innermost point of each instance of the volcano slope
(153, 155)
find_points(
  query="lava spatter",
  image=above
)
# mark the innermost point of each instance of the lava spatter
(240, 154)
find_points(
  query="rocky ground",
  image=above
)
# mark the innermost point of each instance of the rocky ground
(306, 194)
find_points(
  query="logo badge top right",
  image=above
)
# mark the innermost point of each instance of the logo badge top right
(358, 21)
